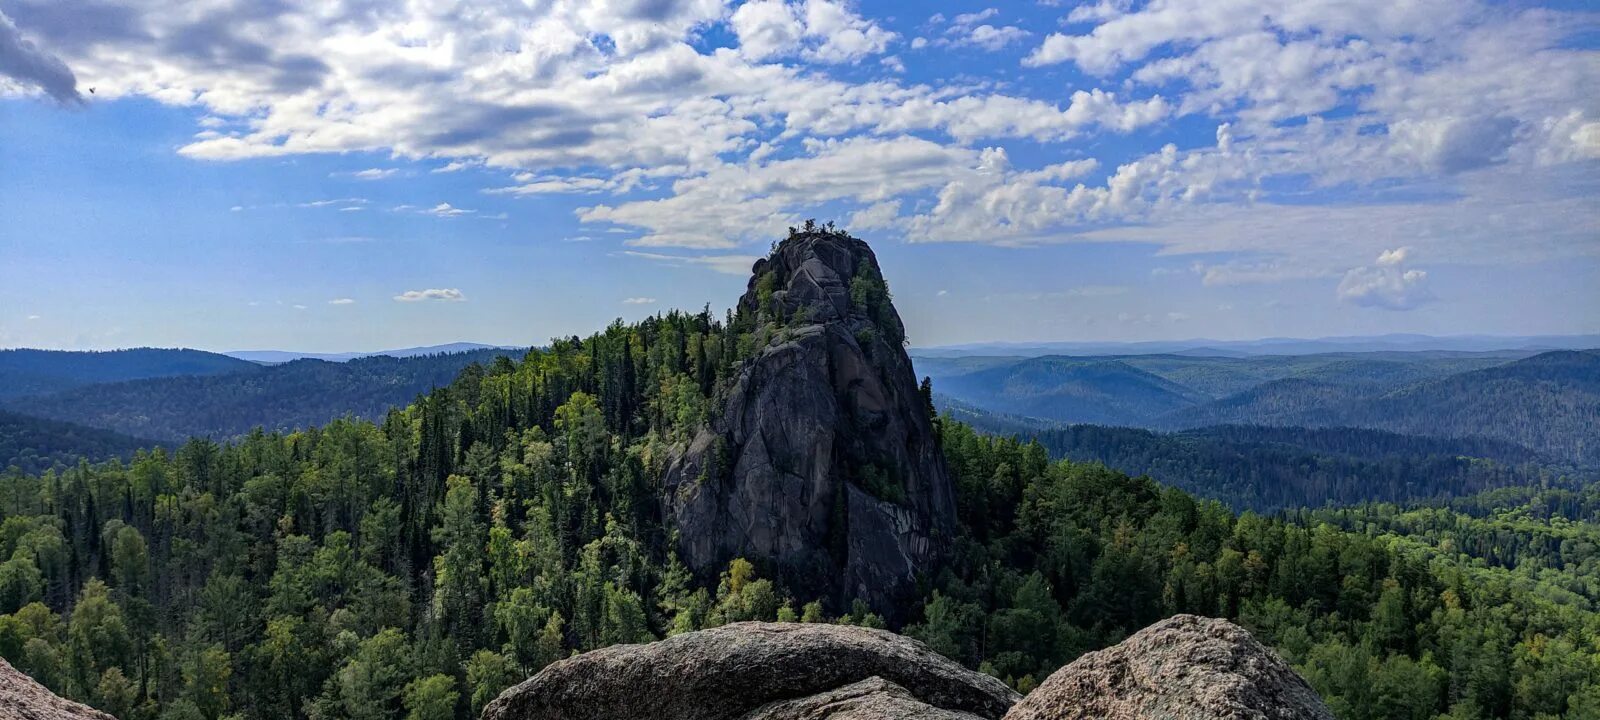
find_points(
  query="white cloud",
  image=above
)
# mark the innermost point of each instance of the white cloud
(33, 317)
(876, 216)
(346, 202)
(1482, 110)
(969, 29)
(431, 294)
(1387, 283)
(342, 301)
(639, 301)
(447, 210)
(1454, 144)
(374, 173)
(726, 264)
(818, 30)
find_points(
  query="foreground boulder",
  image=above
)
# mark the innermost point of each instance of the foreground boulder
(765, 671)
(820, 462)
(1182, 668)
(21, 698)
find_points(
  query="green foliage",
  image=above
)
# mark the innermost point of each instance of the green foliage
(1473, 610)
(431, 698)
(415, 567)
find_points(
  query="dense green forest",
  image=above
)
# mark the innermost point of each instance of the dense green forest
(293, 395)
(1266, 468)
(416, 566)
(35, 372)
(34, 445)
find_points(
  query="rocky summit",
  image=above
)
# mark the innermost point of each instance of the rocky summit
(751, 671)
(1183, 668)
(21, 698)
(822, 463)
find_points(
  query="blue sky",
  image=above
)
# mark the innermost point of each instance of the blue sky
(366, 174)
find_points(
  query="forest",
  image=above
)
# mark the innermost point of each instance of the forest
(417, 565)
(1267, 469)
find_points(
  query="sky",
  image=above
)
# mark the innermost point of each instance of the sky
(367, 174)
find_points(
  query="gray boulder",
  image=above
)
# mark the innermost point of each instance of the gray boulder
(758, 670)
(1182, 668)
(23, 698)
(872, 699)
(822, 463)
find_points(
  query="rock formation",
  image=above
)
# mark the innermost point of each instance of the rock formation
(766, 671)
(1182, 668)
(822, 463)
(21, 698)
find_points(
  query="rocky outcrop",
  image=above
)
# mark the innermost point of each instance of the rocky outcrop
(21, 698)
(766, 671)
(822, 464)
(1182, 668)
(872, 699)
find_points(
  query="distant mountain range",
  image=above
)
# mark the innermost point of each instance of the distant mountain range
(34, 372)
(285, 396)
(1276, 346)
(283, 356)
(1547, 402)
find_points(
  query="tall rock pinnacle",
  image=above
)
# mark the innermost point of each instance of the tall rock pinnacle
(823, 462)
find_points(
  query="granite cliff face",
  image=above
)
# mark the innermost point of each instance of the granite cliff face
(1183, 668)
(822, 462)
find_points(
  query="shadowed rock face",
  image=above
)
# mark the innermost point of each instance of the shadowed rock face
(822, 461)
(765, 671)
(21, 698)
(1182, 668)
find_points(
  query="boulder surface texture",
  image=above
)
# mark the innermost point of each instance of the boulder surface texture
(1182, 668)
(22, 698)
(770, 671)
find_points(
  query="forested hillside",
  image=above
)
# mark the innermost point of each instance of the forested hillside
(34, 445)
(1267, 468)
(424, 563)
(1549, 402)
(34, 372)
(293, 395)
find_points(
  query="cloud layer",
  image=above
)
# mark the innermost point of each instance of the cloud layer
(1341, 129)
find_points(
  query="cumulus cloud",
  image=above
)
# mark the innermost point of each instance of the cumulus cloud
(342, 301)
(970, 29)
(704, 124)
(431, 294)
(26, 64)
(639, 301)
(1387, 283)
(819, 30)
(1454, 144)
(374, 173)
